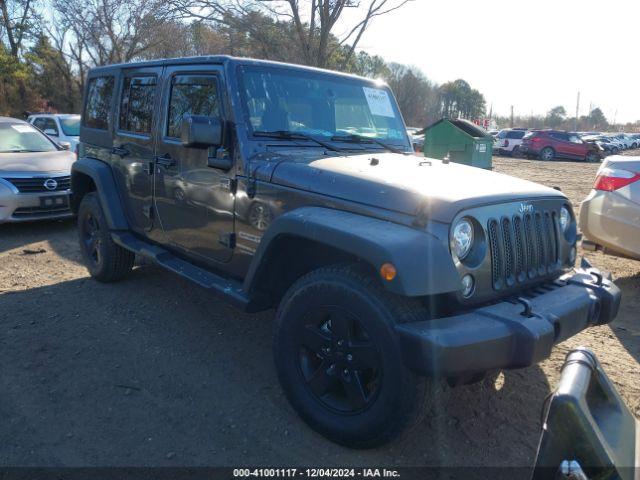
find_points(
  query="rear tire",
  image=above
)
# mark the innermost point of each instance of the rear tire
(105, 260)
(515, 153)
(547, 154)
(339, 360)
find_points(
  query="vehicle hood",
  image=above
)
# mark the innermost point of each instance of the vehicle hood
(37, 162)
(407, 183)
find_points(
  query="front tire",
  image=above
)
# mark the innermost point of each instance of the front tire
(592, 157)
(339, 360)
(105, 260)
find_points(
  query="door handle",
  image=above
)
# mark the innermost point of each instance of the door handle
(165, 161)
(120, 151)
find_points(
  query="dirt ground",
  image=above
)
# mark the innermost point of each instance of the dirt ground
(153, 371)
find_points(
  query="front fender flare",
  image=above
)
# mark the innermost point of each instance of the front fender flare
(423, 262)
(105, 184)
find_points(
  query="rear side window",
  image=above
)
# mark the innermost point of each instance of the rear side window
(515, 134)
(560, 136)
(98, 104)
(192, 94)
(136, 104)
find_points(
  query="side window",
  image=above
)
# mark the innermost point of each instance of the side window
(513, 134)
(39, 123)
(192, 94)
(50, 124)
(98, 104)
(136, 104)
(560, 136)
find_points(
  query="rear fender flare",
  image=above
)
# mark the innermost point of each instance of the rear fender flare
(105, 183)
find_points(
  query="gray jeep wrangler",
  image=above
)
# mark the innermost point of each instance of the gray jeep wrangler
(279, 186)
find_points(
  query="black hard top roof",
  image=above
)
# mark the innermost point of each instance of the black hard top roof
(220, 60)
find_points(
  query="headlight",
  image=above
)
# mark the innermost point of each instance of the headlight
(462, 238)
(565, 218)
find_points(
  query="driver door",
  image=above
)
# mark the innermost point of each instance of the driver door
(194, 202)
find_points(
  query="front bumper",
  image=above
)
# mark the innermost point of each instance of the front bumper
(22, 207)
(510, 334)
(528, 150)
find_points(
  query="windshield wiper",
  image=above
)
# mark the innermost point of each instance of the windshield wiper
(288, 135)
(354, 138)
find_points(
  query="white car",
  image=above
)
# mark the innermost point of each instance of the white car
(617, 141)
(63, 128)
(508, 142)
(623, 139)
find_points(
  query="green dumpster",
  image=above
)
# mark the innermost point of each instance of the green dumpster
(462, 140)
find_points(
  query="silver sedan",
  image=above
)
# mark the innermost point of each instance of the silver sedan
(35, 174)
(610, 215)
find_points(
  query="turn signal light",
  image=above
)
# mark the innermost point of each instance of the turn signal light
(610, 179)
(388, 272)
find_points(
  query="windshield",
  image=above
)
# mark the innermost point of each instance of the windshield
(70, 125)
(310, 103)
(22, 137)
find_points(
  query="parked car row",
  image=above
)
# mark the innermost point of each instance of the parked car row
(546, 145)
(612, 143)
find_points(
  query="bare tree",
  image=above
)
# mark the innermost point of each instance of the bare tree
(16, 22)
(91, 33)
(314, 21)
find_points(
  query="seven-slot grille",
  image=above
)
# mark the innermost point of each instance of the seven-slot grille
(523, 247)
(37, 184)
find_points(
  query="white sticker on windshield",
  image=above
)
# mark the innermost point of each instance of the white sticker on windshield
(23, 128)
(379, 102)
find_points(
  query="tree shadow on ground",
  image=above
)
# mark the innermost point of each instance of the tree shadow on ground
(60, 234)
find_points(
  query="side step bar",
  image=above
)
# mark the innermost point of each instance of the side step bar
(229, 290)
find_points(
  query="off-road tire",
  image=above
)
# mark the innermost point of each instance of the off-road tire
(400, 401)
(592, 157)
(105, 260)
(547, 154)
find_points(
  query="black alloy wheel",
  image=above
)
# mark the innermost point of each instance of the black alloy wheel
(338, 362)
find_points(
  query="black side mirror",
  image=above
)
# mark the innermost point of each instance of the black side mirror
(199, 131)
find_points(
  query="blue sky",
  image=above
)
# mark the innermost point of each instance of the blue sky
(533, 55)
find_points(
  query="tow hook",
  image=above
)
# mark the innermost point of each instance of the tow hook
(528, 309)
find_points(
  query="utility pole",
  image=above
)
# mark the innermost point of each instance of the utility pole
(511, 116)
(575, 124)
